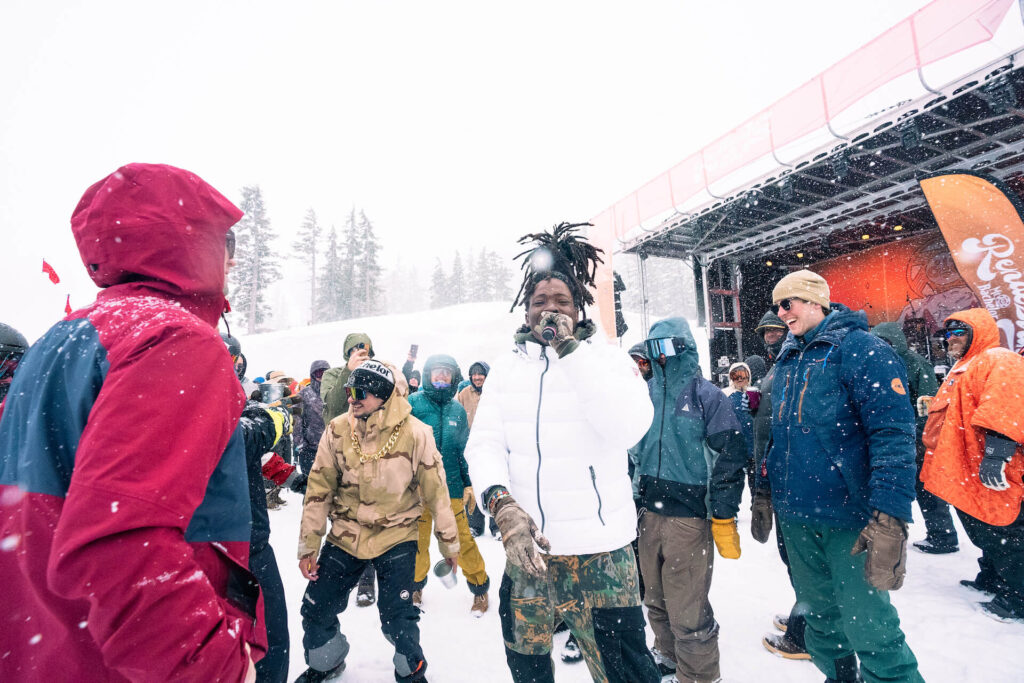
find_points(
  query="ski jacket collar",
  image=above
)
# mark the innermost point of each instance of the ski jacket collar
(160, 228)
(831, 330)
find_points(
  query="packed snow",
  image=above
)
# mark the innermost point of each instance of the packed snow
(952, 640)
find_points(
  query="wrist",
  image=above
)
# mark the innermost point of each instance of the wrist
(497, 497)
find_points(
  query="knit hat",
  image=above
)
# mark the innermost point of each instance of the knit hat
(802, 284)
(373, 377)
(639, 351)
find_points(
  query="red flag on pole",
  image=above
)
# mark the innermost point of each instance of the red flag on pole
(67, 306)
(48, 269)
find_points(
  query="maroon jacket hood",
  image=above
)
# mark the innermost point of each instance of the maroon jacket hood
(158, 226)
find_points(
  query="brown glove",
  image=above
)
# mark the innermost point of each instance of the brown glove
(761, 516)
(564, 342)
(885, 540)
(520, 535)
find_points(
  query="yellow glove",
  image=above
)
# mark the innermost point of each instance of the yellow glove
(727, 538)
(278, 418)
(469, 500)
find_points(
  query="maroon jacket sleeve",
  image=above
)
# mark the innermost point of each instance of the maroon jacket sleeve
(159, 426)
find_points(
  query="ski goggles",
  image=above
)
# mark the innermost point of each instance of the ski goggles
(229, 242)
(954, 333)
(356, 393)
(664, 346)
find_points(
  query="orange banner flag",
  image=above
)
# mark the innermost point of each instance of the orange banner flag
(980, 219)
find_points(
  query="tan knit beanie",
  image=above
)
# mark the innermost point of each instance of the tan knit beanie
(802, 284)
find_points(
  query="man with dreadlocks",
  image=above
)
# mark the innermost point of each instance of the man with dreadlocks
(548, 452)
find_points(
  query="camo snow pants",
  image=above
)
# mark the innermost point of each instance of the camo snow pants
(598, 598)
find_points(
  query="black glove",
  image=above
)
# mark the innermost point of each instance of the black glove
(761, 516)
(998, 451)
(298, 483)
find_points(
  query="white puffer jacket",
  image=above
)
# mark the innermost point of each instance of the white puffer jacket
(554, 431)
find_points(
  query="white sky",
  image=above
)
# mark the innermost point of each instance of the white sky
(454, 125)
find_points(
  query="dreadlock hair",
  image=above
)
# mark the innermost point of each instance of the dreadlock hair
(560, 254)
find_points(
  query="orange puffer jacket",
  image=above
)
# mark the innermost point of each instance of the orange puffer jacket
(984, 391)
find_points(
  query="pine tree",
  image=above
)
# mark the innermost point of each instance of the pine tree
(499, 274)
(438, 286)
(478, 285)
(351, 254)
(257, 263)
(368, 269)
(457, 282)
(306, 246)
(332, 283)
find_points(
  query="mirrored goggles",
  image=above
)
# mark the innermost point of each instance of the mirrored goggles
(356, 393)
(665, 346)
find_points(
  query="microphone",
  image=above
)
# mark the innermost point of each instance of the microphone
(548, 333)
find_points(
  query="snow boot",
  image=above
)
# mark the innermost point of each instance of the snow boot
(1000, 610)
(366, 594)
(666, 667)
(571, 651)
(783, 647)
(274, 498)
(929, 547)
(312, 675)
(479, 605)
(781, 622)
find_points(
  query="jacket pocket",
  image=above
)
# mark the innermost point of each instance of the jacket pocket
(593, 480)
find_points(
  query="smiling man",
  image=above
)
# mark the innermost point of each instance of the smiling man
(840, 467)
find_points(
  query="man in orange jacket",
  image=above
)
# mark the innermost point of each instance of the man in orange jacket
(974, 459)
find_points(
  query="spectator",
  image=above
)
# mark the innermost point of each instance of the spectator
(310, 427)
(12, 347)
(121, 455)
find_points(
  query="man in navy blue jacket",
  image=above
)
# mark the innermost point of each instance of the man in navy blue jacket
(841, 470)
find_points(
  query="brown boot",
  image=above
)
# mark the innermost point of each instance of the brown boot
(276, 495)
(479, 605)
(783, 647)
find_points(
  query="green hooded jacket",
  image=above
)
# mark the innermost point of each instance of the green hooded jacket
(332, 384)
(920, 373)
(690, 462)
(438, 410)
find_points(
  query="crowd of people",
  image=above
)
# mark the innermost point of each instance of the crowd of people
(135, 507)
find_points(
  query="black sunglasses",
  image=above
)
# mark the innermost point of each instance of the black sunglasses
(229, 242)
(787, 303)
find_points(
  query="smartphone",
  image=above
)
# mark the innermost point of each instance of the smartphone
(413, 349)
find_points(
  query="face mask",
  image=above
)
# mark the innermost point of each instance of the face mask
(441, 385)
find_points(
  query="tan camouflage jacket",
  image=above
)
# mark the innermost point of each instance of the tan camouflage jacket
(374, 505)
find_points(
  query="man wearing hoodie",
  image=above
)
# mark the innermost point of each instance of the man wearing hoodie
(356, 349)
(940, 535)
(840, 467)
(689, 474)
(433, 405)
(122, 465)
(974, 460)
(310, 426)
(375, 472)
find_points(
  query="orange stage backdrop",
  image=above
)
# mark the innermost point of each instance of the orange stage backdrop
(911, 278)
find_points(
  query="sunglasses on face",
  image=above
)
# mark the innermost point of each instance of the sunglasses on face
(739, 378)
(664, 346)
(229, 242)
(356, 394)
(787, 303)
(955, 333)
(642, 362)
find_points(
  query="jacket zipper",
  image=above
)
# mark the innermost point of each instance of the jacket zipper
(593, 479)
(540, 398)
(661, 428)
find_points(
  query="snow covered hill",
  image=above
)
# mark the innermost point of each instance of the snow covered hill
(953, 642)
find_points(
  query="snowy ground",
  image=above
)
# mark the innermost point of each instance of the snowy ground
(953, 642)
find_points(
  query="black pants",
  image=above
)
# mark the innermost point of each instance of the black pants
(327, 597)
(797, 622)
(273, 668)
(476, 522)
(306, 458)
(938, 521)
(1002, 557)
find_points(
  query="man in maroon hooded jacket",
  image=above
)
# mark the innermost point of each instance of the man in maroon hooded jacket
(124, 504)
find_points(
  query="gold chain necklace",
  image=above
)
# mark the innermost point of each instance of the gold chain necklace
(384, 450)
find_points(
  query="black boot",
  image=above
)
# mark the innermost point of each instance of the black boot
(846, 670)
(312, 675)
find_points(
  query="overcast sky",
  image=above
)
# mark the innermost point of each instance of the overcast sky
(453, 125)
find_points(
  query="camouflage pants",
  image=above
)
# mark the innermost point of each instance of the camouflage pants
(598, 598)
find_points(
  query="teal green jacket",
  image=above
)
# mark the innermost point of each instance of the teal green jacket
(447, 418)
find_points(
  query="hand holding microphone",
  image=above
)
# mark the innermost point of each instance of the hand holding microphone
(557, 329)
